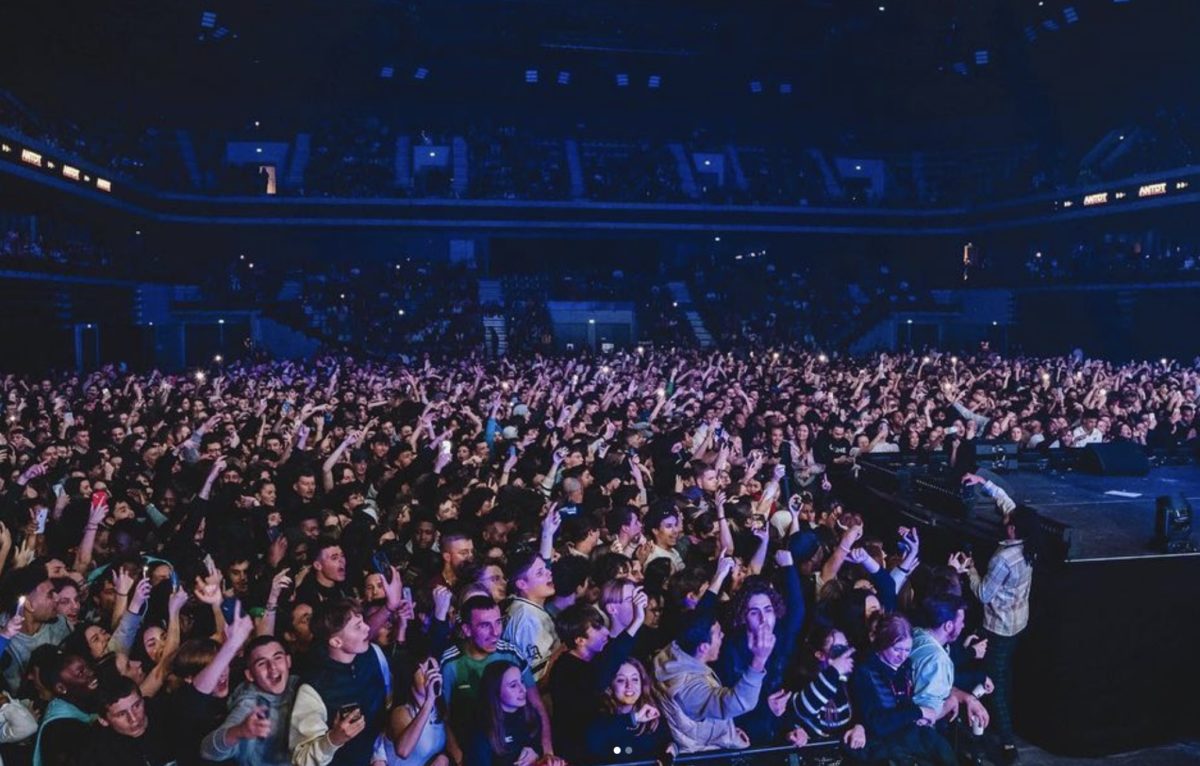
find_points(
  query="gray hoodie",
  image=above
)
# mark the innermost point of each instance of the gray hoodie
(271, 751)
(699, 710)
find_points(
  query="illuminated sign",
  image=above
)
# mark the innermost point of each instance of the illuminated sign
(103, 185)
(1152, 190)
(5, 148)
(33, 158)
(70, 172)
(1099, 198)
(1068, 203)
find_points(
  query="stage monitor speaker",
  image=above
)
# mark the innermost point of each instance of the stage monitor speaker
(1116, 459)
(1173, 524)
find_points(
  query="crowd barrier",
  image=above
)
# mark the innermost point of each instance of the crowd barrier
(823, 753)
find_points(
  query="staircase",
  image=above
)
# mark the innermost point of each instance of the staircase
(300, 154)
(187, 150)
(735, 165)
(403, 163)
(833, 188)
(683, 298)
(459, 156)
(575, 168)
(687, 179)
(491, 293)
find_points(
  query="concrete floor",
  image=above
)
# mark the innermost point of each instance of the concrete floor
(1178, 754)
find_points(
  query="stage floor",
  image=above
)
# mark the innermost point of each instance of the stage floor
(1103, 525)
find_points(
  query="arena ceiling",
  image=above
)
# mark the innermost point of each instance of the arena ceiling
(903, 69)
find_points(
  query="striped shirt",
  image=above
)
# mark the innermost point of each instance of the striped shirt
(823, 706)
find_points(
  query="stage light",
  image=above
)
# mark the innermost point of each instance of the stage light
(387, 72)
(400, 312)
(654, 81)
(218, 359)
(622, 80)
(5, 148)
(200, 376)
(716, 239)
(756, 86)
(591, 321)
(785, 89)
(421, 73)
(564, 78)
(208, 20)
(220, 321)
(641, 349)
(103, 185)
(982, 58)
(30, 157)
(531, 76)
(822, 358)
(72, 173)
(675, 304)
(1071, 15)
(908, 321)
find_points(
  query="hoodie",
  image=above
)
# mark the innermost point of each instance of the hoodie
(699, 710)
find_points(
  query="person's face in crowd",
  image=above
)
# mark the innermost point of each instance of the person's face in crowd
(835, 639)
(956, 627)
(709, 481)
(83, 440)
(153, 641)
(447, 509)
(310, 528)
(117, 433)
(635, 570)
(666, 534)
(1089, 424)
(212, 451)
(512, 691)
(484, 629)
(97, 639)
(897, 653)
(714, 644)
(268, 667)
(538, 582)
(238, 575)
(633, 528)
(1016, 434)
(458, 553)
(373, 588)
(56, 568)
(40, 603)
(354, 638)
(424, 535)
(331, 564)
(837, 433)
(620, 613)
(863, 442)
(776, 438)
(77, 681)
(760, 611)
(626, 686)
(266, 495)
(405, 459)
(574, 458)
(127, 716)
(1125, 431)
(66, 603)
(302, 622)
(354, 501)
(306, 487)
(492, 577)
(85, 489)
(595, 640)
(274, 444)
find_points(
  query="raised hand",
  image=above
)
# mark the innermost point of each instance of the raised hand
(242, 627)
(257, 725)
(139, 595)
(442, 596)
(778, 702)
(179, 598)
(645, 714)
(762, 643)
(844, 664)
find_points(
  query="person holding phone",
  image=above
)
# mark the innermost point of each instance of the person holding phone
(341, 704)
(255, 732)
(416, 729)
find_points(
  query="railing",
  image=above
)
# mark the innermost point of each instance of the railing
(824, 753)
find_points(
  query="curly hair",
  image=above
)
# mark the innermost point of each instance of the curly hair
(754, 585)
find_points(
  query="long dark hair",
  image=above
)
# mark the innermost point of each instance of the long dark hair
(1028, 527)
(493, 714)
(609, 705)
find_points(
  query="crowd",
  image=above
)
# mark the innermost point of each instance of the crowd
(532, 561)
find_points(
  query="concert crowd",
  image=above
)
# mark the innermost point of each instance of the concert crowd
(536, 560)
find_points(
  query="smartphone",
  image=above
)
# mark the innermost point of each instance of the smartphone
(446, 447)
(41, 519)
(382, 565)
(99, 498)
(406, 594)
(273, 533)
(349, 710)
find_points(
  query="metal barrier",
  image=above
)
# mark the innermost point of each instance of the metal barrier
(823, 753)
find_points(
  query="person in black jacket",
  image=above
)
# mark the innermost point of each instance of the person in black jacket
(582, 673)
(628, 726)
(881, 691)
(508, 731)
